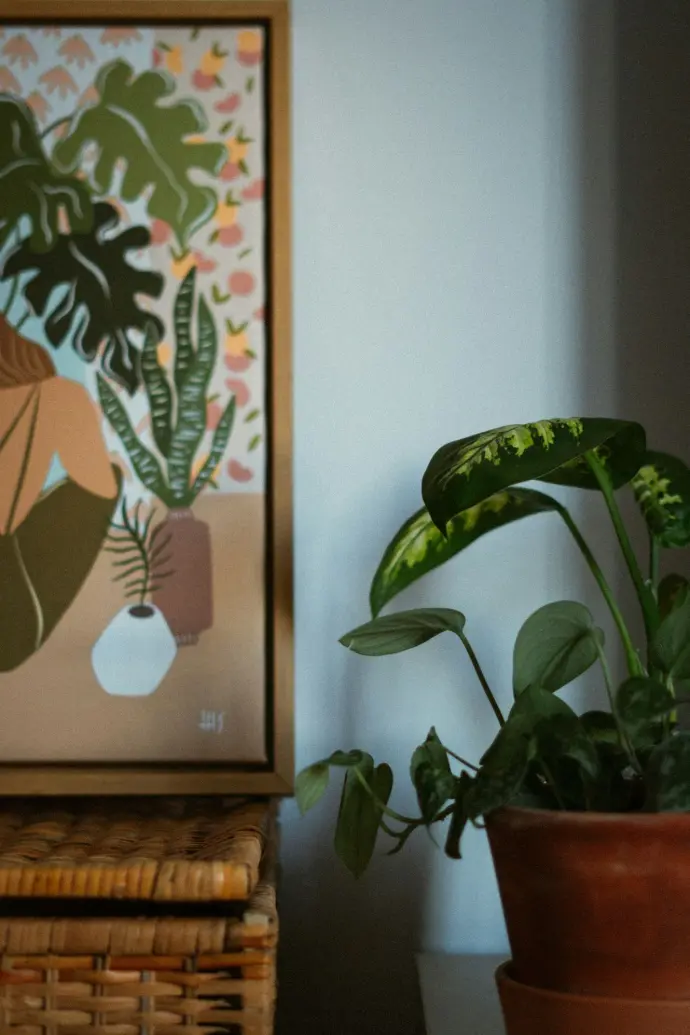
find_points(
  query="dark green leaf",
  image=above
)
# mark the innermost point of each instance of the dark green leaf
(389, 634)
(192, 407)
(668, 775)
(555, 645)
(641, 704)
(621, 458)
(219, 444)
(463, 473)
(458, 819)
(671, 644)
(662, 491)
(563, 736)
(419, 547)
(431, 776)
(359, 815)
(31, 187)
(44, 564)
(310, 785)
(100, 307)
(672, 592)
(158, 390)
(182, 323)
(601, 729)
(128, 124)
(143, 461)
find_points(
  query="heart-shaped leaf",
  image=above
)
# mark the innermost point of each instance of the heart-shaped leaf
(641, 704)
(668, 775)
(389, 634)
(459, 817)
(431, 776)
(128, 123)
(662, 491)
(360, 815)
(418, 547)
(671, 644)
(672, 593)
(554, 646)
(561, 737)
(463, 473)
(31, 187)
(310, 785)
(100, 306)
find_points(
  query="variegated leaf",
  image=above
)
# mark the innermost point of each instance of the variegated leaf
(418, 547)
(662, 492)
(464, 473)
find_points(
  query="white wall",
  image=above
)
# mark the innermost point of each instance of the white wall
(438, 292)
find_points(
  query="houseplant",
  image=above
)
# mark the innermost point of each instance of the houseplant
(178, 408)
(582, 811)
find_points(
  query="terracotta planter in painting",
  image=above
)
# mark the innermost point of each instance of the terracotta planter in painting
(596, 903)
(183, 581)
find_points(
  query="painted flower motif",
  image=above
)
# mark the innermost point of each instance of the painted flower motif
(171, 58)
(205, 82)
(115, 35)
(39, 105)
(250, 47)
(238, 472)
(89, 96)
(20, 49)
(58, 79)
(229, 104)
(160, 232)
(213, 60)
(239, 389)
(230, 236)
(255, 191)
(241, 282)
(229, 172)
(76, 50)
(9, 82)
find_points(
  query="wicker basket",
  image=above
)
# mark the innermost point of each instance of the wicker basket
(149, 918)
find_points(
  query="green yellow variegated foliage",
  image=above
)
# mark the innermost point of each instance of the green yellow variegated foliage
(418, 547)
(466, 472)
(662, 491)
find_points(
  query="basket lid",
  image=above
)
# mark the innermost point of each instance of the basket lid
(160, 850)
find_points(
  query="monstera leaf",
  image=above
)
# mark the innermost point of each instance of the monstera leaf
(30, 185)
(419, 547)
(464, 473)
(129, 124)
(662, 491)
(100, 305)
(44, 563)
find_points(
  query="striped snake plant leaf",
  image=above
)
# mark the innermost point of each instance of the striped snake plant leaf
(464, 473)
(158, 391)
(218, 447)
(182, 325)
(418, 547)
(143, 461)
(662, 491)
(191, 407)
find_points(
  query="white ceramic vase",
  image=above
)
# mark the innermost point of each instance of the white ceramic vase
(134, 653)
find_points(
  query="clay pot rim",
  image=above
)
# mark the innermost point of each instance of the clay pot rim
(518, 817)
(504, 977)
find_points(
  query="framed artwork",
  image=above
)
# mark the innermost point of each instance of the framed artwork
(145, 398)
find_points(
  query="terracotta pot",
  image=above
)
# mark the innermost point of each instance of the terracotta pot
(183, 576)
(539, 1011)
(596, 903)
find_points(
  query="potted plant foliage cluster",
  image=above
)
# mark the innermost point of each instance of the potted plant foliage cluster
(585, 814)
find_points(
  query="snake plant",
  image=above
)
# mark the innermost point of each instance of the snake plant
(178, 408)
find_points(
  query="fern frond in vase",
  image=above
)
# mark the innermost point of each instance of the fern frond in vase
(141, 551)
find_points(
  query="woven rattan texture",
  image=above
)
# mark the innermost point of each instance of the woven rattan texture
(162, 850)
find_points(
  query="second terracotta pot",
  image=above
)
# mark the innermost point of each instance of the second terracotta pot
(539, 1011)
(596, 903)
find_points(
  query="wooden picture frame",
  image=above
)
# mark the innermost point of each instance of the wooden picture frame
(274, 775)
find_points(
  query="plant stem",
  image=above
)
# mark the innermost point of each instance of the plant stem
(459, 758)
(654, 558)
(407, 820)
(58, 122)
(624, 739)
(634, 664)
(20, 323)
(11, 296)
(552, 783)
(644, 594)
(482, 679)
